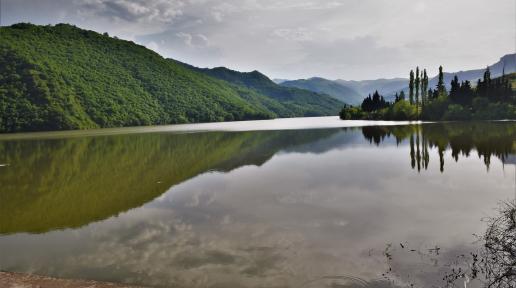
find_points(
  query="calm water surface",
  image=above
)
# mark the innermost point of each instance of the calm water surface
(375, 206)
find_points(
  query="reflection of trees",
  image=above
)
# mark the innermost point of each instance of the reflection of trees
(487, 138)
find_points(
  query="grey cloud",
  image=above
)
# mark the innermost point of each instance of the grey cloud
(194, 40)
(293, 4)
(312, 54)
(221, 10)
(185, 44)
(139, 10)
(349, 39)
(296, 34)
(351, 54)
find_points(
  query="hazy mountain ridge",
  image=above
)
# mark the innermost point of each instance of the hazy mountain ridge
(507, 63)
(388, 87)
(384, 86)
(279, 80)
(332, 88)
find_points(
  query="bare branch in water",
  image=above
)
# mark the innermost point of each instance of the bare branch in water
(493, 265)
(498, 256)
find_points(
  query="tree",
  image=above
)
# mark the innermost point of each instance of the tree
(466, 93)
(487, 75)
(430, 94)
(424, 88)
(411, 87)
(373, 103)
(441, 89)
(498, 89)
(402, 95)
(454, 90)
(417, 84)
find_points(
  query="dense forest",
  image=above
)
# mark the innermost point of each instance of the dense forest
(63, 77)
(298, 101)
(487, 99)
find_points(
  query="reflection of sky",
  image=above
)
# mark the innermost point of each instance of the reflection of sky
(297, 217)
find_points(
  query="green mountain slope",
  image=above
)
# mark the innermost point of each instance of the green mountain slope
(62, 77)
(332, 88)
(297, 101)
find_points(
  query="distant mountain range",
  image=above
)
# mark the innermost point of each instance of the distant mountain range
(366, 87)
(507, 62)
(341, 92)
(348, 91)
(353, 92)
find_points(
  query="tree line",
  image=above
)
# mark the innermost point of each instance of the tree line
(373, 103)
(489, 98)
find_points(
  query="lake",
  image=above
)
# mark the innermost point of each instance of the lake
(304, 202)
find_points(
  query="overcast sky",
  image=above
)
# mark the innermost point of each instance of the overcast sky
(347, 39)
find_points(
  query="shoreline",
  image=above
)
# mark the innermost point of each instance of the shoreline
(23, 280)
(294, 123)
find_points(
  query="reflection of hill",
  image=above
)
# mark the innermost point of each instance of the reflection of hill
(486, 138)
(69, 182)
(65, 183)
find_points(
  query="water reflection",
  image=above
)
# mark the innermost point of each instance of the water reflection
(487, 139)
(306, 208)
(491, 264)
(64, 183)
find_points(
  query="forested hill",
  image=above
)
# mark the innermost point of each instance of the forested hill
(301, 101)
(63, 77)
(333, 88)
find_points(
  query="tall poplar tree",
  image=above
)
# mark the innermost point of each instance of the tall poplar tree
(418, 80)
(424, 88)
(411, 87)
(441, 89)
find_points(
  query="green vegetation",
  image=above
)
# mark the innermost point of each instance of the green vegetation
(299, 101)
(63, 77)
(490, 99)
